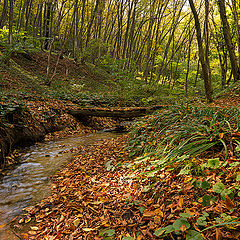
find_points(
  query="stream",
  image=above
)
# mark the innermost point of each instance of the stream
(28, 183)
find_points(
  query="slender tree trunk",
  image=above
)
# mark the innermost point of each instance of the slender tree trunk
(228, 40)
(220, 46)
(188, 58)
(3, 19)
(81, 27)
(149, 42)
(92, 21)
(206, 31)
(47, 19)
(196, 78)
(236, 18)
(75, 44)
(10, 35)
(22, 14)
(28, 14)
(205, 70)
(130, 6)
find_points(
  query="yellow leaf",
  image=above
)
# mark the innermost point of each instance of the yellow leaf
(34, 228)
(76, 222)
(21, 220)
(88, 229)
(221, 135)
(180, 202)
(188, 179)
(159, 212)
(28, 220)
(31, 232)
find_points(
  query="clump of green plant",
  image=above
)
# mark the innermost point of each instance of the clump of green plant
(186, 130)
(184, 140)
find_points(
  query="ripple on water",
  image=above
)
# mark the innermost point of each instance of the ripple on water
(29, 182)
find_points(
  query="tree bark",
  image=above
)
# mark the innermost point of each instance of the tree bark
(114, 113)
(10, 35)
(228, 39)
(3, 19)
(205, 70)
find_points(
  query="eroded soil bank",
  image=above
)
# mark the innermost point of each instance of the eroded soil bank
(41, 119)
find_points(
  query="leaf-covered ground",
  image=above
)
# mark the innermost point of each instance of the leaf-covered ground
(102, 194)
(95, 197)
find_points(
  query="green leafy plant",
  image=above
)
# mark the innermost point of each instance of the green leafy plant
(177, 134)
(220, 188)
(22, 43)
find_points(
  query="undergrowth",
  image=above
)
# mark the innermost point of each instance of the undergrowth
(195, 148)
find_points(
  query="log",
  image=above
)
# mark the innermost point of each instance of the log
(113, 112)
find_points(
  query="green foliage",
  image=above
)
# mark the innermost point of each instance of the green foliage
(107, 234)
(176, 227)
(8, 106)
(22, 43)
(179, 133)
(127, 238)
(94, 51)
(202, 221)
(220, 188)
(172, 139)
(213, 163)
(193, 235)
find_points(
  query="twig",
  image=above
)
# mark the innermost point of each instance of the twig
(17, 235)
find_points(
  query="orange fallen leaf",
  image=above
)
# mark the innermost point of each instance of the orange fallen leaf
(180, 202)
(229, 203)
(183, 228)
(2, 226)
(149, 214)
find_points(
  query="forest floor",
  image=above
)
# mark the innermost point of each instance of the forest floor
(92, 198)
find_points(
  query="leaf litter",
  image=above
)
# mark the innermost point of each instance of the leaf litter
(89, 202)
(98, 196)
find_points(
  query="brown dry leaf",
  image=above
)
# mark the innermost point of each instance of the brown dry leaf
(3, 225)
(159, 212)
(229, 203)
(148, 214)
(218, 234)
(221, 135)
(180, 202)
(183, 228)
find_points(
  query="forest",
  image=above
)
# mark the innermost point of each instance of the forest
(178, 47)
(119, 119)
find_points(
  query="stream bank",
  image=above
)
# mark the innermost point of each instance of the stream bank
(29, 182)
(41, 119)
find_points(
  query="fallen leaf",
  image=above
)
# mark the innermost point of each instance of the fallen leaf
(229, 203)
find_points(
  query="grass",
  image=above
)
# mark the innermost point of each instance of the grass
(185, 132)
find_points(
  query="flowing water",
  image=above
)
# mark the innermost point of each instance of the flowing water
(29, 182)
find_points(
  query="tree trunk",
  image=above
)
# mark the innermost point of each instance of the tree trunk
(205, 70)
(10, 35)
(91, 21)
(3, 19)
(228, 39)
(75, 44)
